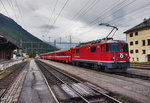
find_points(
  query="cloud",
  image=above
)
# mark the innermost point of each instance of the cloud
(76, 18)
(46, 26)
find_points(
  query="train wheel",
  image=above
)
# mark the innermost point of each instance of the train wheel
(96, 67)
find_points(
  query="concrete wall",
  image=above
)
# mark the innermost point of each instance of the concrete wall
(142, 35)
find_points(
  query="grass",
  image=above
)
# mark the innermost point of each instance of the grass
(4, 73)
(140, 62)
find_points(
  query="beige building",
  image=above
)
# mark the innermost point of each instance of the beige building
(138, 39)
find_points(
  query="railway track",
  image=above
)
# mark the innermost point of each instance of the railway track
(7, 81)
(74, 90)
(131, 75)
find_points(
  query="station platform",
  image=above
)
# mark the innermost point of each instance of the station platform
(4, 64)
(34, 89)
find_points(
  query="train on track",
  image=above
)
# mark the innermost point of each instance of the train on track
(107, 54)
(104, 54)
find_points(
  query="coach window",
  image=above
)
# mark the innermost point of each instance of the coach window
(93, 49)
(77, 51)
(102, 48)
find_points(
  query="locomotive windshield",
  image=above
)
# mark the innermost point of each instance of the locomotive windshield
(124, 48)
(112, 47)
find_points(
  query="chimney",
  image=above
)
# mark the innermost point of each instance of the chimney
(145, 20)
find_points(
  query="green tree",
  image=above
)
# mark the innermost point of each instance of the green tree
(32, 53)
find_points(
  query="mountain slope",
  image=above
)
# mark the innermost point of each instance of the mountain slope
(15, 33)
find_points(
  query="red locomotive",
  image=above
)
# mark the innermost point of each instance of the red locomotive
(106, 54)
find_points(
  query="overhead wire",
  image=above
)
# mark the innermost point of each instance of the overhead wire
(19, 10)
(110, 15)
(4, 8)
(80, 10)
(117, 10)
(12, 8)
(59, 14)
(133, 11)
(109, 10)
(46, 29)
(89, 8)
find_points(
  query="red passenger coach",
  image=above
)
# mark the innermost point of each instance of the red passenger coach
(63, 56)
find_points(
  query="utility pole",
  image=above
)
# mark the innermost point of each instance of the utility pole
(49, 39)
(60, 40)
(55, 42)
(70, 41)
(43, 37)
(21, 43)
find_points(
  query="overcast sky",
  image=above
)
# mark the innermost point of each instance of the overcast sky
(78, 18)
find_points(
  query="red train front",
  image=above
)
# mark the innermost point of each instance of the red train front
(109, 55)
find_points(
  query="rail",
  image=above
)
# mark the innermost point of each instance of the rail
(77, 93)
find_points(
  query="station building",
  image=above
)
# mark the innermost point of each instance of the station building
(138, 39)
(6, 48)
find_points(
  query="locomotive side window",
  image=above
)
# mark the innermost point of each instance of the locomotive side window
(93, 49)
(102, 48)
(77, 51)
(124, 48)
(108, 48)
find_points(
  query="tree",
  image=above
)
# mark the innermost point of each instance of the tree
(32, 53)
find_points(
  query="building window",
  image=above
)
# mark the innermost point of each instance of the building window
(144, 51)
(93, 49)
(131, 43)
(136, 42)
(131, 34)
(136, 51)
(77, 51)
(137, 59)
(143, 42)
(148, 41)
(131, 51)
(136, 33)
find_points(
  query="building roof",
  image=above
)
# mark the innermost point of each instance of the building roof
(5, 41)
(145, 24)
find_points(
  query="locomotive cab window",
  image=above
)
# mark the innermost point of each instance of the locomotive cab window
(124, 48)
(112, 47)
(77, 51)
(93, 49)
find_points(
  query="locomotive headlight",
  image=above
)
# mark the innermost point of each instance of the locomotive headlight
(113, 58)
(128, 57)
